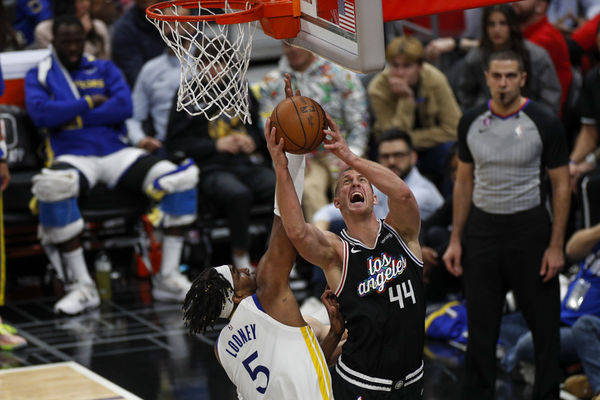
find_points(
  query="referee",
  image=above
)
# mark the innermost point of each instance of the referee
(505, 149)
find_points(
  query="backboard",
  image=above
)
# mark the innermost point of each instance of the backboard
(347, 32)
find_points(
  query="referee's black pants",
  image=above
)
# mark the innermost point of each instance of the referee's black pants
(501, 253)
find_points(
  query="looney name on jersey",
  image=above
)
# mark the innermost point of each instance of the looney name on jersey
(240, 338)
(381, 271)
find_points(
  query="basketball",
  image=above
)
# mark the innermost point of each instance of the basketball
(300, 121)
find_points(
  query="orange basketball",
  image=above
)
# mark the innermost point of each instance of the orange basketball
(300, 121)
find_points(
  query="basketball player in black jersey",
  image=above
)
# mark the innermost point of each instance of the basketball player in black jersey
(374, 268)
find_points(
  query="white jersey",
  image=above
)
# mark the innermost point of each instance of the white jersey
(266, 359)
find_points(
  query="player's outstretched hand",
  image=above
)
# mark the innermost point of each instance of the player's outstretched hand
(334, 141)
(336, 320)
(275, 148)
(288, 87)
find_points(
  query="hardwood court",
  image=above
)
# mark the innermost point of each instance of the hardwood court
(59, 381)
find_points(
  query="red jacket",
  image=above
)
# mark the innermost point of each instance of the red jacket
(544, 34)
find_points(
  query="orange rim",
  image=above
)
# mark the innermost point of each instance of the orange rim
(252, 14)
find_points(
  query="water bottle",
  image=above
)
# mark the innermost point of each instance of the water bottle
(103, 268)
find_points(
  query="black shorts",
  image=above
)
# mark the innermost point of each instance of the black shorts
(343, 390)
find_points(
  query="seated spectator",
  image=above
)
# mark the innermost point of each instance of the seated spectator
(10, 39)
(341, 94)
(135, 40)
(29, 14)
(501, 31)
(586, 150)
(153, 92)
(82, 104)
(580, 310)
(586, 337)
(537, 29)
(414, 96)
(395, 151)
(222, 147)
(97, 41)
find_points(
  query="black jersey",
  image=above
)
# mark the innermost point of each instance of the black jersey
(382, 298)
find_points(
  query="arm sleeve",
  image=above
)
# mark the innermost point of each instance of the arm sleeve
(552, 132)
(118, 107)
(46, 112)
(254, 129)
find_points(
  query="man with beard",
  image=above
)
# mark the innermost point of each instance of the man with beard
(374, 268)
(506, 147)
(396, 152)
(82, 103)
(223, 147)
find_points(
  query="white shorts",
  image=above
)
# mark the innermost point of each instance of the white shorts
(107, 169)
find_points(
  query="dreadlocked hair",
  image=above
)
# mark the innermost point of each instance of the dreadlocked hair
(204, 301)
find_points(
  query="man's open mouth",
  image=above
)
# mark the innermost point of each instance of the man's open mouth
(357, 197)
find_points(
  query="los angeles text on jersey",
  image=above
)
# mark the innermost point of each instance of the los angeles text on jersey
(240, 338)
(382, 270)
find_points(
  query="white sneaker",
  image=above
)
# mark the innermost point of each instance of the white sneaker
(81, 297)
(172, 287)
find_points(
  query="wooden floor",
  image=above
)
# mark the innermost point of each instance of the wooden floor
(58, 381)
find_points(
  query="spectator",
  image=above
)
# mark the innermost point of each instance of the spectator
(414, 96)
(395, 152)
(82, 103)
(504, 147)
(586, 152)
(586, 336)
(231, 180)
(135, 40)
(153, 94)
(580, 310)
(537, 29)
(10, 39)
(501, 32)
(29, 13)
(97, 41)
(341, 94)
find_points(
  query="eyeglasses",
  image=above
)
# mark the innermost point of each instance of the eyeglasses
(398, 154)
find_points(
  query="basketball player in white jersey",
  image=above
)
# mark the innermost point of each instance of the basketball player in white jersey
(267, 349)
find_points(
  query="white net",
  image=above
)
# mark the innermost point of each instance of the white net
(213, 60)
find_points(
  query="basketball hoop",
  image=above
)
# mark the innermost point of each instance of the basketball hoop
(214, 47)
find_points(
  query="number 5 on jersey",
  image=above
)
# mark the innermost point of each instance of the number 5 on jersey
(260, 369)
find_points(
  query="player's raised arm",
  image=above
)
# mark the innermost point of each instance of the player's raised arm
(404, 212)
(313, 244)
